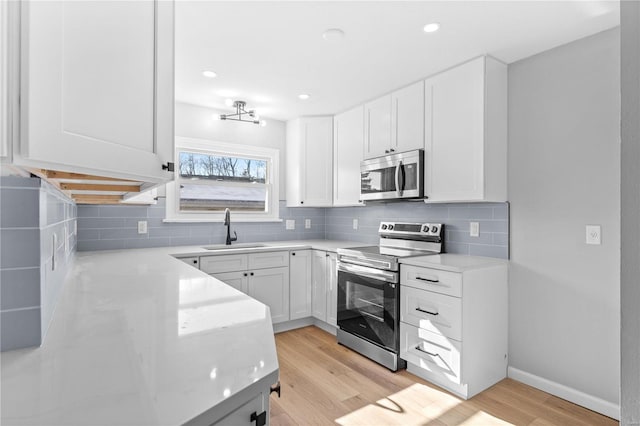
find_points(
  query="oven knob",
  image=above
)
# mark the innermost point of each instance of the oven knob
(384, 226)
(425, 229)
(434, 229)
(390, 227)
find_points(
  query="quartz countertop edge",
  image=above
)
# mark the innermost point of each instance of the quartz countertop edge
(454, 262)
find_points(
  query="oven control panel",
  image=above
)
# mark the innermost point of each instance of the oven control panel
(408, 229)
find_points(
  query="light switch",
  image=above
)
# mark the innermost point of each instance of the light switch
(355, 223)
(290, 224)
(307, 223)
(593, 234)
(474, 229)
(142, 227)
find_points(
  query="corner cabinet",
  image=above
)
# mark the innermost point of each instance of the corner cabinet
(466, 133)
(97, 98)
(309, 151)
(395, 122)
(348, 148)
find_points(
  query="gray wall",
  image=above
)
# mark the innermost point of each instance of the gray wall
(630, 217)
(564, 166)
(31, 213)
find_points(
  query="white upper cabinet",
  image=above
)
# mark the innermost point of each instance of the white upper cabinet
(407, 118)
(309, 151)
(395, 122)
(348, 146)
(377, 127)
(97, 87)
(466, 133)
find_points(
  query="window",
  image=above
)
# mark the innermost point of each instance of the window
(211, 177)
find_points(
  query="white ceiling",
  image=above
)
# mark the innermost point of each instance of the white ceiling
(268, 52)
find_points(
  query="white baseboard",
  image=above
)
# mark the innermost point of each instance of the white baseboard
(591, 402)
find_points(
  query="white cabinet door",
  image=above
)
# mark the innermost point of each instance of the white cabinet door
(377, 128)
(348, 149)
(242, 415)
(309, 162)
(319, 285)
(237, 280)
(271, 287)
(300, 284)
(466, 137)
(407, 118)
(332, 291)
(97, 87)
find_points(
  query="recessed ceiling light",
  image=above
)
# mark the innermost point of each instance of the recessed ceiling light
(304, 96)
(209, 73)
(333, 34)
(431, 28)
(228, 102)
(263, 123)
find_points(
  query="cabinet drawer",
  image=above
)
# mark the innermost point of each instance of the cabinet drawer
(431, 279)
(431, 311)
(223, 263)
(271, 259)
(431, 352)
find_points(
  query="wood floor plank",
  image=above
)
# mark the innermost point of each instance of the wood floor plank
(325, 383)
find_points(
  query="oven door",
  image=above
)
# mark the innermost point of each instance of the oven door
(368, 304)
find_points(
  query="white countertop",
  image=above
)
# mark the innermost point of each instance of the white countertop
(453, 262)
(139, 337)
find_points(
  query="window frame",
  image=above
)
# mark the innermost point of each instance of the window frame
(208, 147)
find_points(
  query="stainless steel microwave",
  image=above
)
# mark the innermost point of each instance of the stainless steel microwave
(393, 176)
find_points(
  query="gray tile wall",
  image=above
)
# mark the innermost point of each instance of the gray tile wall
(31, 211)
(115, 227)
(493, 218)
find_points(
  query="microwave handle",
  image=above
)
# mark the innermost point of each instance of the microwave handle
(399, 179)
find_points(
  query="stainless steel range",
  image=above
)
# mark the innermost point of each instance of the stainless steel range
(369, 289)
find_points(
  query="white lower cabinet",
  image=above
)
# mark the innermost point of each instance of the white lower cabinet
(453, 326)
(263, 276)
(248, 412)
(324, 287)
(300, 284)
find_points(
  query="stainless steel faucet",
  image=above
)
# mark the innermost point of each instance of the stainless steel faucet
(227, 223)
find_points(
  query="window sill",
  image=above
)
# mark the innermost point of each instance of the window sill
(234, 219)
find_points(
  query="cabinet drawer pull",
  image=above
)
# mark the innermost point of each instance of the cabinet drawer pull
(418, 348)
(427, 279)
(260, 419)
(427, 312)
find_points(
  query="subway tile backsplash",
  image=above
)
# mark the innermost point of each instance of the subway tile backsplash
(115, 227)
(31, 213)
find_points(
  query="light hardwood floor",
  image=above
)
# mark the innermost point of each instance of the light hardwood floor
(324, 383)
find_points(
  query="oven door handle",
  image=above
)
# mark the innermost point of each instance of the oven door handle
(363, 261)
(372, 273)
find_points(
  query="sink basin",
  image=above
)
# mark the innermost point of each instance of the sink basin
(234, 246)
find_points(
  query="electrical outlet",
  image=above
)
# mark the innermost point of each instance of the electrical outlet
(355, 223)
(474, 229)
(142, 227)
(290, 224)
(307, 223)
(593, 234)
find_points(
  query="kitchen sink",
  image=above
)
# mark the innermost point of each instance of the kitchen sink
(234, 246)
